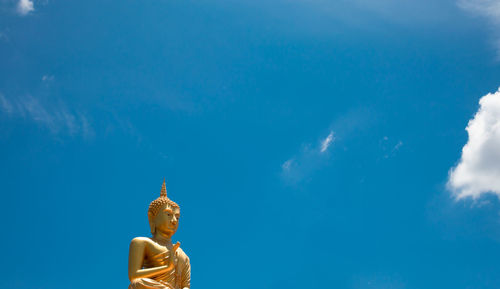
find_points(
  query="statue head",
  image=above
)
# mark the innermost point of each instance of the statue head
(163, 214)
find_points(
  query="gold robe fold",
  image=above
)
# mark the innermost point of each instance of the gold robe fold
(178, 278)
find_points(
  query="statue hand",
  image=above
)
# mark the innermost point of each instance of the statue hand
(166, 257)
(171, 253)
(176, 246)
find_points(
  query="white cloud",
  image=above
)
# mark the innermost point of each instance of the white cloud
(390, 147)
(24, 7)
(3, 36)
(6, 106)
(326, 142)
(378, 280)
(478, 171)
(47, 78)
(287, 165)
(310, 158)
(490, 10)
(56, 118)
(397, 146)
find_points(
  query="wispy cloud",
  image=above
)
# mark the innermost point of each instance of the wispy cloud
(47, 78)
(390, 147)
(326, 142)
(6, 105)
(55, 117)
(286, 166)
(378, 280)
(478, 171)
(488, 9)
(310, 158)
(397, 146)
(4, 36)
(24, 7)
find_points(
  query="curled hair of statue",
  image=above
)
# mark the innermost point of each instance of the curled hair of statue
(156, 205)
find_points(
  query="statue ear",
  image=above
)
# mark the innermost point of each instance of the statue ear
(151, 224)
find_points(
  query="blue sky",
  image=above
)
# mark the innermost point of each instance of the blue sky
(309, 143)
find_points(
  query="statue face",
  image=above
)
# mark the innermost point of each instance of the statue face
(167, 220)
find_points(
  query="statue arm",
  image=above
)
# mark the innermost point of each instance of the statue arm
(136, 258)
(186, 275)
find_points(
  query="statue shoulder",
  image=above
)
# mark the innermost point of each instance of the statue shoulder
(144, 241)
(182, 255)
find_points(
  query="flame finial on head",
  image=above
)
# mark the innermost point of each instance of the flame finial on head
(163, 190)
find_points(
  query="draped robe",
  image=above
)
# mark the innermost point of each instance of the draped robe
(178, 278)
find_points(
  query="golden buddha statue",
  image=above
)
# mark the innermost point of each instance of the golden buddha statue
(154, 263)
